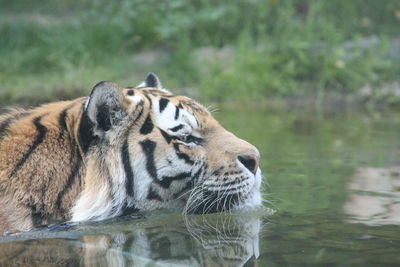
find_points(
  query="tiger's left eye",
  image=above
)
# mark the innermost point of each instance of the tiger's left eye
(191, 139)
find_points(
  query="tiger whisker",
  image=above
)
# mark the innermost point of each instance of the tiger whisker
(185, 193)
(196, 199)
(226, 198)
(207, 200)
(193, 193)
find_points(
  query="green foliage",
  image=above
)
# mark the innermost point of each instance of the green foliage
(277, 47)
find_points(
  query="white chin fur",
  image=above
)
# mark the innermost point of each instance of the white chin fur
(254, 198)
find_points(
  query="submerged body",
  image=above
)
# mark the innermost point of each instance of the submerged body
(119, 151)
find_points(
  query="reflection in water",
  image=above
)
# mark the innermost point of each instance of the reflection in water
(210, 240)
(227, 240)
(376, 200)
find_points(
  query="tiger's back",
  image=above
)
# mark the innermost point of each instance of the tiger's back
(40, 164)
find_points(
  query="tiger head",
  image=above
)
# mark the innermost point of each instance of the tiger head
(160, 150)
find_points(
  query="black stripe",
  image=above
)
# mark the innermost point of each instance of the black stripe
(196, 176)
(128, 210)
(163, 104)
(36, 219)
(148, 98)
(140, 105)
(176, 112)
(148, 148)
(70, 181)
(62, 120)
(63, 115)
(147, 126)
(153, 195)
(185, 157)
(167, 180)
(5, 125)
(176, 147)
(41, 130)
(218, 171)
(166, 136)
(200, 173)
(126, 161)
(221, 188)
(176, 128)
(204, 170)
(36, 216)
(232, 181)
(85, 133)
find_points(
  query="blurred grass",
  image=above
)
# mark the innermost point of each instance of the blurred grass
(210, 50)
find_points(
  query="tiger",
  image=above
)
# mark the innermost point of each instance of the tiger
(120, 151)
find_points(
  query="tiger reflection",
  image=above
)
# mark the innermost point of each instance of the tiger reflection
(210, 240)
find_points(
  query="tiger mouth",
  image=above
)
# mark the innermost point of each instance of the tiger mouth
(209, 198)
(215, 202)
(220, 201)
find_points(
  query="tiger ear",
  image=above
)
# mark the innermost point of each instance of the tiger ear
(151, 80)
(104, 107)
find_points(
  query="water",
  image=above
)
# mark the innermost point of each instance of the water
(333, 181)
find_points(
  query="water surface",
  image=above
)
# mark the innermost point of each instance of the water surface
(332, 179)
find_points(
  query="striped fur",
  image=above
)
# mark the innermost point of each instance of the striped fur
(119, 151)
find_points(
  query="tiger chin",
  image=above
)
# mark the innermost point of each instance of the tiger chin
(120, 151)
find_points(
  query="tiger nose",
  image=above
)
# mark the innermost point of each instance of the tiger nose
(250, 161)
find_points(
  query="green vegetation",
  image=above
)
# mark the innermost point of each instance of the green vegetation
(211, 50)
